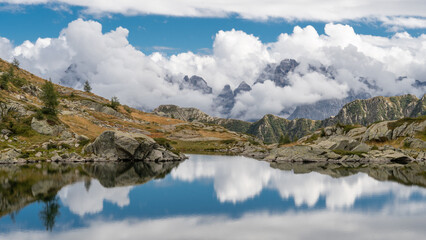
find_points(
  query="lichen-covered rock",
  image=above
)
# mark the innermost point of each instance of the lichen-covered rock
(116, 145)
(415, 143)
(43, 127)
(9, 155)
(378, 132)
(408, 129)
(101, 108)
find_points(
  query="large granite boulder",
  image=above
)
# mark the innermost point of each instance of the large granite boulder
(415, 143)
(116, 145)
(9, 155)
(378, 132)
(408, 129)
(45, 128)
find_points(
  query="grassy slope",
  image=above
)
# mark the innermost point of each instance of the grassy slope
(91, 123)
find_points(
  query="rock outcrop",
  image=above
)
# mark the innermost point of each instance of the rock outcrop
(270, 128)
(359, 144)
(195, 83)
(368, 111)
(116, 145)
(101, 108)
(46, 128)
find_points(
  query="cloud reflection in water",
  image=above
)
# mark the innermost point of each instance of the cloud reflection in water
(237, 179)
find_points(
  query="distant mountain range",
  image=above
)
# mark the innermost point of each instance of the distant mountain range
(278, 73)
(270, 128)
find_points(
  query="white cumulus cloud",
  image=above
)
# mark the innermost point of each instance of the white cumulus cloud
(313, 10)
(116, 68)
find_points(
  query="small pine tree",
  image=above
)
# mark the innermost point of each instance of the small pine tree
(49, 97)
(114, 103)
(15, 63)
(87, 87)
(4, 80)
(9, 75)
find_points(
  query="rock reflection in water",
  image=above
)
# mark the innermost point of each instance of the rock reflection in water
(248, 197)
(21, 185)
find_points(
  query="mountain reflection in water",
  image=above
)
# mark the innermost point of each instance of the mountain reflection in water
(214, 197)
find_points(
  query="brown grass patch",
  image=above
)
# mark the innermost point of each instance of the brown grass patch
(397, 143)
(221, 135)
(148, 117)
(82, 126)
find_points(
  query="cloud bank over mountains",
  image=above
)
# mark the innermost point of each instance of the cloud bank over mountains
(352, 63)
(396, 13)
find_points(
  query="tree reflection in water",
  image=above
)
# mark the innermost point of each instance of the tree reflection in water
(49, 212)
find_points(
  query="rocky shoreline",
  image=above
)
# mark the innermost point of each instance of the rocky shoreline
(110, 146)
(378, 143)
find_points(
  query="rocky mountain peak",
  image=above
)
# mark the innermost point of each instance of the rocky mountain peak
(243, 87)
(225, 100)
(72, 77)
(196, 83)
(278, 73)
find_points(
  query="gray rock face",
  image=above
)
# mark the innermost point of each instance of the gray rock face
(9, 155)
(225, 100)
(101, 108)
(420, 108)
(278, 73)
(196, 83)
(324, 108)
(184, 114)
(116, 145)
(16, 108)
(375, 109)
(378, 132)
(243, 87)
(72, 77)
(415, 143)
(43, 127)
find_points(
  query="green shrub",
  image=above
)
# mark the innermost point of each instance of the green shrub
(65, 146)
(18, 82)
(24, 155)
(52, 146)
(228, 141)
(164, 142)
(127, 108)
(406, 144)
(39, 115)
(83, 142)
(346, 128)
(253, 141)
(312, 138)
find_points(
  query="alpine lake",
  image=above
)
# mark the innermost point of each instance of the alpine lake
(212, 197)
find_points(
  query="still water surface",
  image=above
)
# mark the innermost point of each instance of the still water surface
(213, 197)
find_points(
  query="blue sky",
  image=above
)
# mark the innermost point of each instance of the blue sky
(151, 33)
